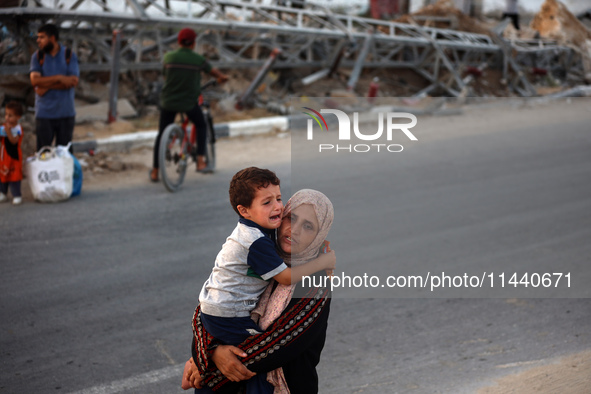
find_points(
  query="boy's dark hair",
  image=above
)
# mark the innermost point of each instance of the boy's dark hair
(51, 30)
(246, 182)
(16, 107)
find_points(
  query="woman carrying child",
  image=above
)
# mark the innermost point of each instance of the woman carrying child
(294, 317)
(11, 156)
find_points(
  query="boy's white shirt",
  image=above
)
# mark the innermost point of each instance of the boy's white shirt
(230, 291)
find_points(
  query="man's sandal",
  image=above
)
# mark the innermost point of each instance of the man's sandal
(151, 175)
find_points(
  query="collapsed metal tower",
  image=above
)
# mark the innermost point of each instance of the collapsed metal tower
(242, 34)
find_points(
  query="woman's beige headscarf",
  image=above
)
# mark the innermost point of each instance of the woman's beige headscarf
(273, 302)
(324, 214)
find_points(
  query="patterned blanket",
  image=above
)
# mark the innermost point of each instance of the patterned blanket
(283, 333)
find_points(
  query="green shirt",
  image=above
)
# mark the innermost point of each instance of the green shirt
(182, 85)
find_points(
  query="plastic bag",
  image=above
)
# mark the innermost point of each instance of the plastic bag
(77, 177)
(50, 174)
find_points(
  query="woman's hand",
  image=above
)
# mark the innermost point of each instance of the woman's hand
(191, 377)
(226, 359)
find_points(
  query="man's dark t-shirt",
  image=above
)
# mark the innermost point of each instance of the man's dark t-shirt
(182, 85)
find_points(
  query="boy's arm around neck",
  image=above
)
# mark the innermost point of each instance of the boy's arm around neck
(289, 276)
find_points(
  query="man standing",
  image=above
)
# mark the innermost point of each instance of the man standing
(182, 86)
(512, 12)
(54, 73)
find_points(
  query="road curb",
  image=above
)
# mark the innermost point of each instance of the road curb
(126, 142)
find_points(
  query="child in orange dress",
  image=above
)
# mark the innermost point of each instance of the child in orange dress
(11, 156)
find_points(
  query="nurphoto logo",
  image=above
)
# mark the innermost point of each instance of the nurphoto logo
(344, 131)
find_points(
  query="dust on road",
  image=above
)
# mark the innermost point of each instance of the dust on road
(566, 375)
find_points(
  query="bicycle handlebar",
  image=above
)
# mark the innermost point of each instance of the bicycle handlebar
(209, 84)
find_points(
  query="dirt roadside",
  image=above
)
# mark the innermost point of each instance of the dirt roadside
(130, 169)
(566, 375)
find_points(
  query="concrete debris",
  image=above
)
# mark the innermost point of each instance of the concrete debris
(85, 91)
(102, 162)
(118, 127)
(444, 14)
(139, 91)
(579, 91)
(524, 33)
(556, 22)
(29, 144)
(17, 87)
(94, 112)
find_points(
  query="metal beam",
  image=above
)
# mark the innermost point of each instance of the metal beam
(240, 30)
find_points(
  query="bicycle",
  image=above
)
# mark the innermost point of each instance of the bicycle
(177, 145)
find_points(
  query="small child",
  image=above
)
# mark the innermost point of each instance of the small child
(11, 156)
(247, 261)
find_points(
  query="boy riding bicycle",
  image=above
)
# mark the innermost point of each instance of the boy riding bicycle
(182, 86)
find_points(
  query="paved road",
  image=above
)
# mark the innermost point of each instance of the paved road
(97, 293)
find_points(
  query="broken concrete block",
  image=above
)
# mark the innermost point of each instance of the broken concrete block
(89, 113)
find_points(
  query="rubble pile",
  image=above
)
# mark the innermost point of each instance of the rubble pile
(556, 22)
(444, 14)
(29, 144)
(139, 90)
(16, 87)
(524, 33)
(103, 162)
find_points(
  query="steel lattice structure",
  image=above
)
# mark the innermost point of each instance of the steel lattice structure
(242, 34)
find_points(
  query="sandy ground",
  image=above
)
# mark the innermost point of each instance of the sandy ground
(230, 153)
(567, 375)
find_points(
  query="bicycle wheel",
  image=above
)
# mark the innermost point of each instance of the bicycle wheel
(172, 157)
(209, 143)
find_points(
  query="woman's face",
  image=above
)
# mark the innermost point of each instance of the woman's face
(298, 230)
